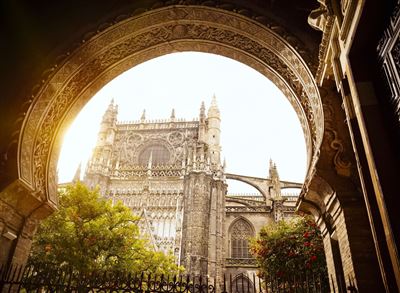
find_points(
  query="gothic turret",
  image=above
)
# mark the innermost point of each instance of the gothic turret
(77, 176)
(108, 125)
(143, 117)
(214, 133)
(274, 177)
(173, 115)
(275, 192)
(202, 123)
(99, 166)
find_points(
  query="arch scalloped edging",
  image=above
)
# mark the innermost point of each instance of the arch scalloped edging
(242, 218)
(145, 36)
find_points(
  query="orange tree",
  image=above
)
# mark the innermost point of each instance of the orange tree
(290, 247)
(89, 233)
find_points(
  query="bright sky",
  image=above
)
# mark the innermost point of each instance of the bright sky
(257, 121)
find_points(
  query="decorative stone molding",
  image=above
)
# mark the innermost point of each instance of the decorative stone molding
(323, 49)
(241, 262)
(148, 35)
(341, 163)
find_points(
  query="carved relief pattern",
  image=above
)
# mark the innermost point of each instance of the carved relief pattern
(245, 209)
(323, 47)
(129, 145)
(196, 222)
(109, 48)
(97, 44)
(240, 262)
(241, 230)
(341, 162)
(396, 54)
(388, 51)
(29, 228)
(7, 214)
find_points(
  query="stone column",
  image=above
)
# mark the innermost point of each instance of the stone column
(20, 213)
(196, 222)
(217, 228)
(335, 191)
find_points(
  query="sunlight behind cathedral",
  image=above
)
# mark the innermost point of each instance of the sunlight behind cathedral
(181, 81)
(174, 139)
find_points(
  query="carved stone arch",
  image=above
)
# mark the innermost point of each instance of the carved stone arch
(136, 39)
(241, 218)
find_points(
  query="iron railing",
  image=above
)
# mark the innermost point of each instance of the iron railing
(16, 278)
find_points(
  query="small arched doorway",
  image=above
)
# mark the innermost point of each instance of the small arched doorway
(242, 284)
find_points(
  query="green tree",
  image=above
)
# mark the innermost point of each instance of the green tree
(290, 247)
(88, 233)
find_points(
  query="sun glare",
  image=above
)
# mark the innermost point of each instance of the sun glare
(257, 121)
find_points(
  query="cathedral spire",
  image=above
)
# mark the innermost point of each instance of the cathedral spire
(273, 171)
(77, 176)
(111, 105)
(214, 133)
(143, 115)
(202, 116)
(213, 111)
(173, 114)
(108, 125)
(110, 115)
(202, 123)
(275, 182)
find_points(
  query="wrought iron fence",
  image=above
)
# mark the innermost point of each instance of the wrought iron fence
(301, 282)
(17, 278)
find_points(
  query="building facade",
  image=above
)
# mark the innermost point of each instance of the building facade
(169, 172)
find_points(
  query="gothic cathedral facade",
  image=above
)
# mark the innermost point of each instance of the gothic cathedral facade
(170, 173)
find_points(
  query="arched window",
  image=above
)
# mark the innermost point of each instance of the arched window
(241, 231)
(159, 155)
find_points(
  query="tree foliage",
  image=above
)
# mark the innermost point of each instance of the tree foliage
(290, 247)
(88, 233)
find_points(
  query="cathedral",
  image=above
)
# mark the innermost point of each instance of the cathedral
(337, 62)
(169, 172)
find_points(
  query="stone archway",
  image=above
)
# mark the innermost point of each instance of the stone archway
(248, 37)
(108, 53)
(120, 47)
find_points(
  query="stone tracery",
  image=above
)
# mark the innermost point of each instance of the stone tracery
(240, 233)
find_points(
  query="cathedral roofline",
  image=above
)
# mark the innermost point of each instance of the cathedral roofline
(157, 121)
(158, 124)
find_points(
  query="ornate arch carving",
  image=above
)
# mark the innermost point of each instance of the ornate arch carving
(240, 218)
(142, 37)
